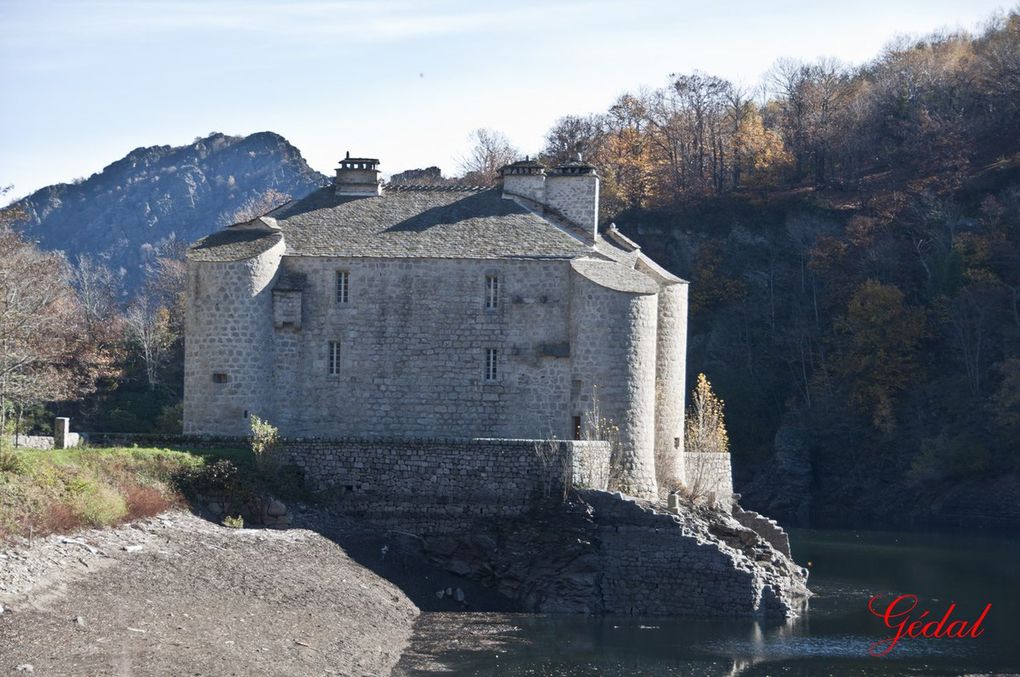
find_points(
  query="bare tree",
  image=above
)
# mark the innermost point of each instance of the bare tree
(40, 327)
(490, 151)
(149, 332)
(573, 137)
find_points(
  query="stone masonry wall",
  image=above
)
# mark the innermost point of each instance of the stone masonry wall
(413, 337)
(710, 473)
(437, 485)
(658, 564)
(576, 198)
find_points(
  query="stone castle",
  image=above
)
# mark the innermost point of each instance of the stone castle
(426, 312)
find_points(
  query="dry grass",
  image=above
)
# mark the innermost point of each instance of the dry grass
(44, 492)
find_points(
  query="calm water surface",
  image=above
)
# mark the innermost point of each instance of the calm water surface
(830, 638)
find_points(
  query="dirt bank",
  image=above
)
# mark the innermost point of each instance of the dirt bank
(177, 594)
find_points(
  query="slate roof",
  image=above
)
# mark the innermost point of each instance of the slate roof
(441, 222)
(233, 244)
(613, 275)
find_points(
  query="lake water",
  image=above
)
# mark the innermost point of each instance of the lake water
(831, 637)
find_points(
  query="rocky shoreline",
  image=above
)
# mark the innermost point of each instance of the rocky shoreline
(179, 593)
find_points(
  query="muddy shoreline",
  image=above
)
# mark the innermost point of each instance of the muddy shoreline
(178, 594)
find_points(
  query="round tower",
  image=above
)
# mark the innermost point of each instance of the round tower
(614, 314)
(228, 328)
(670, 377)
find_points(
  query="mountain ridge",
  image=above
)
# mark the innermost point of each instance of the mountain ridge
(157, 195)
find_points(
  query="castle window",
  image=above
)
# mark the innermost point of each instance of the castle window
(343, 286)
(491, 291)
(334, 358)
(490, 364)
(220, 377)
(577, 427)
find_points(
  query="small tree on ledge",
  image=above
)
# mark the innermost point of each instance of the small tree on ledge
(705, 425)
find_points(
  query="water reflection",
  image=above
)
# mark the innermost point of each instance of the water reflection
(831, 637)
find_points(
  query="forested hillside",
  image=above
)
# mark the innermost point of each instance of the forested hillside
(852, 238)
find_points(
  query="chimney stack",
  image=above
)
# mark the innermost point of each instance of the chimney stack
(570, 191)
(358, 177)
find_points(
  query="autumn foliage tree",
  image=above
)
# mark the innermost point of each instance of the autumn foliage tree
(705, 423)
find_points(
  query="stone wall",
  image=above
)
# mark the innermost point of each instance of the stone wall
(442, 485)
(659, 564)
(413, 337)
(603, 552)
(710, 474)
(767, 528)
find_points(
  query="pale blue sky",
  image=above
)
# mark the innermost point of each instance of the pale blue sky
(86, 81)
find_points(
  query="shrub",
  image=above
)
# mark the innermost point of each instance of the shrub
(233, 522)
(264, 438)
(97, 504)
(11, 461)
(144, 500)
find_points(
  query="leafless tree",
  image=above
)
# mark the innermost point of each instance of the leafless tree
(40, 327)
(149, 332)
(490, 151)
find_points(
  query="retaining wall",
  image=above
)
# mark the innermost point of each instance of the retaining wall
(710, 473)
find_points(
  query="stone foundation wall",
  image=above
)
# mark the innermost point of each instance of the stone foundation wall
(710, 473)
(437, 485)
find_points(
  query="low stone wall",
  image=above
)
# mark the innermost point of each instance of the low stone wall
(710, 473)
(767, 528)
(437, 485)
(163, 440)
(41, 442)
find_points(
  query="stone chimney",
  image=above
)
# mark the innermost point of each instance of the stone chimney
(525, 179)
(358, 177)
(570, 191)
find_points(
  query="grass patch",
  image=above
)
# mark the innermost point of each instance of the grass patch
(59, 491)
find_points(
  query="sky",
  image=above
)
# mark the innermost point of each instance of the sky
(87, 81)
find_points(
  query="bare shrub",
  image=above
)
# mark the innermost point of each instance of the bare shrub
(144, 501)
(554, 468)
(595, 425)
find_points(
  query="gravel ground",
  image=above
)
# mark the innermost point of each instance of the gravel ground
(179, 595)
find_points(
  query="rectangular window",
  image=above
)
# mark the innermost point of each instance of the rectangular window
(220, 377)
(343, 286)
(334, 358)
(577, 427)
(490, 364)
(491, 291)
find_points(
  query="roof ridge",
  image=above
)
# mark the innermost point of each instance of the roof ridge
(448, 188)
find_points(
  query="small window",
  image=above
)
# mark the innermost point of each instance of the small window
(491, 358)
(491, 291)
(577, 427)
(343, 286)
(334, 358)
(220, 377)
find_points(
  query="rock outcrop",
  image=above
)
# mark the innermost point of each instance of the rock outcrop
(607, 553)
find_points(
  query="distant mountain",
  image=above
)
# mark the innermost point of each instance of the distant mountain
(154, 195)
